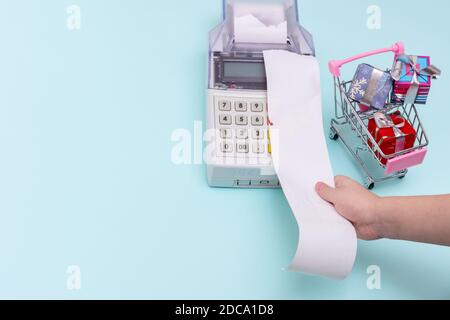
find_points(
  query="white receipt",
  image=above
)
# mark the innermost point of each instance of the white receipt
(327, 242)
(249, 29)
(261, 23)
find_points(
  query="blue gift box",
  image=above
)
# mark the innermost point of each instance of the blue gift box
(370, 87)
(407, 73)
(403, 85)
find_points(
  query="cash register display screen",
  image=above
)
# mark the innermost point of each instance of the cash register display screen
(244, 71)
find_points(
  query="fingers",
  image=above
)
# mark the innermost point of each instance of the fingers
(341, 181)
(330, 194)
(326, 192)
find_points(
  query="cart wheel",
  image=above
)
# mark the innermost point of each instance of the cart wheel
(333, 135)
(403, 174)
(370, 184)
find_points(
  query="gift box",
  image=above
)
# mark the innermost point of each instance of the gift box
(412, 75)
(393, 133)
(370, 87)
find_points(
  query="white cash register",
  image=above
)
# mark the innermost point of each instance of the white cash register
(237, 89)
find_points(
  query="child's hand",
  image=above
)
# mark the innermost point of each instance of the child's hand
(422, 219)
(354, 203)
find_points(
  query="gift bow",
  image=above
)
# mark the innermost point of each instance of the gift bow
(429, 71)
(382, 121)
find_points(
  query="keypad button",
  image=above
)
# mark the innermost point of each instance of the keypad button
(225, 119)
(257, 120)
(264, 182)
(258, 134)
(243, 183)
(242, 127)
(259, 148)
(224, 105)
(242, 134)
(241, 120)
(226, 133)
(240, 106)
(242, 147)
(257, 107)
(226, 147)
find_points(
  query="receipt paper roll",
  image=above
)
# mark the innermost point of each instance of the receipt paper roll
(327, 242)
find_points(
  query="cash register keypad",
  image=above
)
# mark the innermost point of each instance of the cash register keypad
(242, 127)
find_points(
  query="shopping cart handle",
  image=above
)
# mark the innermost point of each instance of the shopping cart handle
(335, 65)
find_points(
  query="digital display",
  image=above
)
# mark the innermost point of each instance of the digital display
(244, 71)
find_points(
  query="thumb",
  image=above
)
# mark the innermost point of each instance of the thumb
(326, 192)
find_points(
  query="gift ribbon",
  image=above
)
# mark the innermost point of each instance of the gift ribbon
(429, 71)
(382, 121)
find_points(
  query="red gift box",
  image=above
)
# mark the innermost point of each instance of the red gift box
(393, 134)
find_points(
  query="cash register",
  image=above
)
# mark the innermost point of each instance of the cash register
(240, 152)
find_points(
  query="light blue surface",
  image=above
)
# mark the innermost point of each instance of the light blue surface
(86, 176)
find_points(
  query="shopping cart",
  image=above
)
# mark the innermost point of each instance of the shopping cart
(350, 125)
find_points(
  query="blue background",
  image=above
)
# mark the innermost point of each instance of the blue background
(86, 176)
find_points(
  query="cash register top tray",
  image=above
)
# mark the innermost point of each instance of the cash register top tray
(236, 61)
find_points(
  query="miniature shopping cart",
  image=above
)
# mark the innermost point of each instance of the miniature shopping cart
(351, 121)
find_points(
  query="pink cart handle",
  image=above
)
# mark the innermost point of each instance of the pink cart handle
(335, 65)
